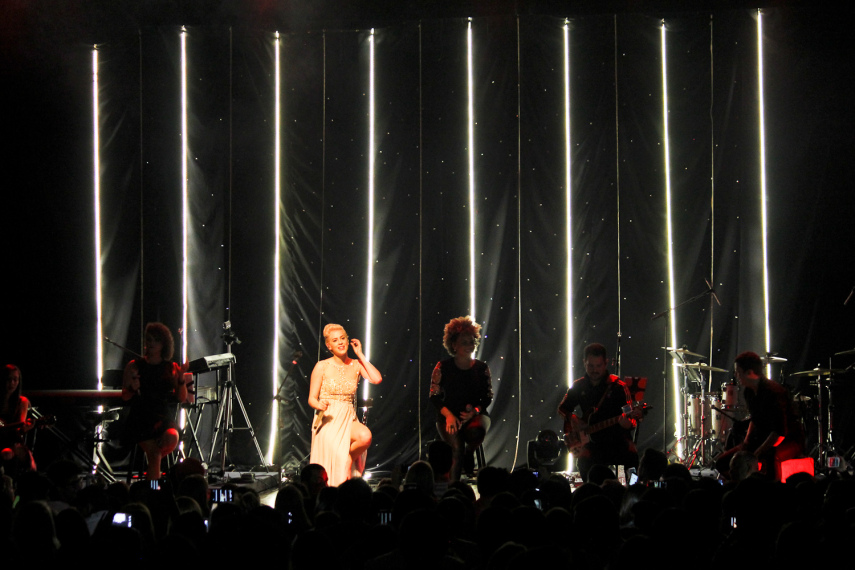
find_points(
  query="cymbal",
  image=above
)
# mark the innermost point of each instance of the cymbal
(701, 366)
(845, 352)
(684, 351)
(772, 358)
(818, 372)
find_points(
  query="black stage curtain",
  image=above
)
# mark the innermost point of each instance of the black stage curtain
(420, 255)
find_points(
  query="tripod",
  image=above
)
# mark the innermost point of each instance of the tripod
(228, 395)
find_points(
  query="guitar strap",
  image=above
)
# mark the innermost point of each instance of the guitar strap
(603, 397)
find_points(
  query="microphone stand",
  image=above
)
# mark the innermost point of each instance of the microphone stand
(126, 349)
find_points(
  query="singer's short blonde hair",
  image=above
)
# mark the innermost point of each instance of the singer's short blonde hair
(330, 328)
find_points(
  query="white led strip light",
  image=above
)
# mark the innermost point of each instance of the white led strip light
(762, 126)
(277, 176)
(567, 202)
(96, 175)
(369, 304)
(185, 208)
(567, 215)
(671, 297)
(471, 107)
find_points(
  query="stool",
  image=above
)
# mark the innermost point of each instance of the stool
(479, 457)
(170, 463)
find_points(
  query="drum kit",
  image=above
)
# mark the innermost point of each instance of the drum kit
(709, 415)
(714, 421)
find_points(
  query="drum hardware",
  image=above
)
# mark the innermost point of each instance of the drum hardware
(772, 358)
(701, 366)
(703, 430)
(818, 372)
(709, 424)
(665, 365)
(684, 351)
(825, 410)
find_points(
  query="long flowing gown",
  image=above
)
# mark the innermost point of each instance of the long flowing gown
(331, 428)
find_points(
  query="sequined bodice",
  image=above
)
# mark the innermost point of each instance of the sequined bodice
(339, 381)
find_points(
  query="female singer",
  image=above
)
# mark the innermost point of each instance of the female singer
(339, 440)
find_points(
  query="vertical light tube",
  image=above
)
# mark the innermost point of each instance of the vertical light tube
(762, 127)
(277, 188)
(471, 108)
(96, 176)
(568, 218)
(670, 237)
(185, 212)
(96, 184)
(185, 207)
(369, 304)
(568, 194)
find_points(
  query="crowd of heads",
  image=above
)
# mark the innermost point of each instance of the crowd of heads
(419, 520)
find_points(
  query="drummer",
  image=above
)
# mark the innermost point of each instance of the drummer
(774, 434)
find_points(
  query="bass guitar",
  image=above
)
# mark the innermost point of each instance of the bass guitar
(577, 433)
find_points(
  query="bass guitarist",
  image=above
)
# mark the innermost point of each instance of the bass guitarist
(602, 399)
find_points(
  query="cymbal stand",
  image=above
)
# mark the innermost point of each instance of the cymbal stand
(688, 445)
(666, 313)
(705, 439)
(825, 421)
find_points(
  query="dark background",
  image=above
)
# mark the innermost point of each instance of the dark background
(420, 255)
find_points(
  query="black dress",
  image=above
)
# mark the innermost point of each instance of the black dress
(153, 408)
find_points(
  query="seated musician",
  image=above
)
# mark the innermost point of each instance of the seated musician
(774, 434)
(151, 384)
(14, 423)
(601, 398)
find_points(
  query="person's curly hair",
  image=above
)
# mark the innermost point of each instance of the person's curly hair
(161, 333)
(457, 327)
